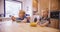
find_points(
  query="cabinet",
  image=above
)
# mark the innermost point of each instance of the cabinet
(54, 23)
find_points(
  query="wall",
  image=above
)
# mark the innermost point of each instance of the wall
(1, 6)
(27, 6)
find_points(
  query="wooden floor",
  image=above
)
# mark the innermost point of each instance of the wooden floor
(9, 26)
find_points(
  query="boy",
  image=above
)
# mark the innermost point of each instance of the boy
(44, 20)
(21, 17)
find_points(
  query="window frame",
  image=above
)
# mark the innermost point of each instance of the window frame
(13, 1)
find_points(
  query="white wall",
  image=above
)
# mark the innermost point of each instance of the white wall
(27, 6)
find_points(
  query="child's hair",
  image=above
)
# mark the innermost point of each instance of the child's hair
(22, 11)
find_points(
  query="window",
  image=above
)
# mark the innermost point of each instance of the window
(12, 8)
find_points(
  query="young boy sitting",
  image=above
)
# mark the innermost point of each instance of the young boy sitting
(21, 17)
(44, 20)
